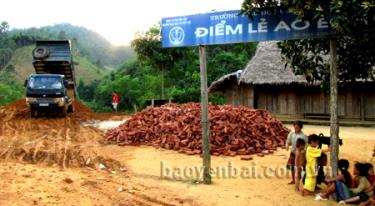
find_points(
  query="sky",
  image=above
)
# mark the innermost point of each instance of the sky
(116, 20)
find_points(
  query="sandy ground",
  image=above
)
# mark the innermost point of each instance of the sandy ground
(156, 176)
(27, 184)
(268, 187)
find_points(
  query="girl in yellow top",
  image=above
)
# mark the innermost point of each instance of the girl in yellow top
(312, 154)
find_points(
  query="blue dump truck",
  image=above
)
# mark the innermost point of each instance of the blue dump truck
(52, 88)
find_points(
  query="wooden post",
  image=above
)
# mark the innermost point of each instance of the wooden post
(362, 105)
(334, 106)
(205, 122)
(162, 83)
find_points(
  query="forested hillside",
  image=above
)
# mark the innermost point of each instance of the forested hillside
(87, 43)
(94, 56)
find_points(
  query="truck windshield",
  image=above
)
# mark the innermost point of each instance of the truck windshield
(45, 82)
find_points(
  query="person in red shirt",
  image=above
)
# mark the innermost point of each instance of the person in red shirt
(115, 101)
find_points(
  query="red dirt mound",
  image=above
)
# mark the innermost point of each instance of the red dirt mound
(49, 139)
(82, 109)
(18, 110)
(20, 104)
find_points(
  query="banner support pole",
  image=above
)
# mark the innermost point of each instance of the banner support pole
(205, 122)
(334, 130)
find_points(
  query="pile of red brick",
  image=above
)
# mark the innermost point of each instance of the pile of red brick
(234, 131)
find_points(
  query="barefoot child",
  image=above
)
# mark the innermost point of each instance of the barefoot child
(312, 154)
(300, 161)
(291, 146)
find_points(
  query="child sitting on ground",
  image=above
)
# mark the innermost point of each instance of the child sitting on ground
(364, 190)
(359, 193)
(299, 161)
(371, 179)
(340, 184)
(312, 154)
(371, 175)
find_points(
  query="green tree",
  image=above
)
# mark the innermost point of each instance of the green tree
(4, 27)
(99, 64)
(131, 67)
(10, 69)
(149, 50)
(355, 47)
(62, 35)
(7, 45)
(224, 59)
(10, 93)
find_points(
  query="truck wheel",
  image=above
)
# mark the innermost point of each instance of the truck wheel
(40, 52)
(71, 108)
(64, 112)
(33, 113)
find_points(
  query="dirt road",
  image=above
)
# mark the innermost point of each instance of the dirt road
(65, 158)
(136, 175)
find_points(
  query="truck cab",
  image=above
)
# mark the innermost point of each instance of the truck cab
(47, 92)
(52, 87)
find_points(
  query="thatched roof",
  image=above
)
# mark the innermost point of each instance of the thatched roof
(266, 67)
(232, 78)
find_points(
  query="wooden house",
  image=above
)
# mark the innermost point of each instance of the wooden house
(265, 83)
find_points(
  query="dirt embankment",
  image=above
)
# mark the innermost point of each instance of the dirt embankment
(50, 139)
(54, 143)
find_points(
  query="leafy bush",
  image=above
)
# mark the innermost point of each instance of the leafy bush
(10, 93)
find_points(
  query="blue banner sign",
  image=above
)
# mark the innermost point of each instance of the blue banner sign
(229, 27)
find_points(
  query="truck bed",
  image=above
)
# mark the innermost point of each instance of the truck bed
(58, 61)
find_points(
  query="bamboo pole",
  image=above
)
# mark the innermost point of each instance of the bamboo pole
(205, 122)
